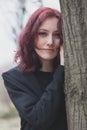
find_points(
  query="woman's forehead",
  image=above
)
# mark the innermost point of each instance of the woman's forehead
(49, 23)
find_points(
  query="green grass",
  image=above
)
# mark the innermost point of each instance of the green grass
(11, 113)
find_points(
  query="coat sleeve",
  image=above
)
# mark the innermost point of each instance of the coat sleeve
(42, 112)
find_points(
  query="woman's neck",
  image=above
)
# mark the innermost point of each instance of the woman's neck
(47, 66)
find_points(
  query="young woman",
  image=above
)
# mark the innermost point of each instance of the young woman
(35, 86)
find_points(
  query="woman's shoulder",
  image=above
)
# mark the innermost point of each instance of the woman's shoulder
(12, 71)
(15, 73)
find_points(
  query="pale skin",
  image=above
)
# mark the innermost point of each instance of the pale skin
(48, 44)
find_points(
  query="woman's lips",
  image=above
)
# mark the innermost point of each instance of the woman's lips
(48, 49)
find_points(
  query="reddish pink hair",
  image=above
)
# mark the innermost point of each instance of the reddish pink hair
(28, 59)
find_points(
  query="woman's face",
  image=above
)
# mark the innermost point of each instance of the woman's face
(48, 40)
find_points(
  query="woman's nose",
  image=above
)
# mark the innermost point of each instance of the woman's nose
(50, 40)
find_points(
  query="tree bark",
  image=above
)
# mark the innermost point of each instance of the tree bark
(74, 25)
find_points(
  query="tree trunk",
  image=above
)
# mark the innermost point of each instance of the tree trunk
(74, 18)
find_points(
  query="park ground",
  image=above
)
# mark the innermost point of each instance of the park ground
(9, 121)
(9, 124)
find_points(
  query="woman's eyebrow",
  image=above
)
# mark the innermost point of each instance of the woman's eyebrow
(56, 31)
(42, 29)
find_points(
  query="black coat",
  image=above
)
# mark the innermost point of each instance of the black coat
(38, 110)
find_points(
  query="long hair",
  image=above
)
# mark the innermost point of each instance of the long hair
(26, 55)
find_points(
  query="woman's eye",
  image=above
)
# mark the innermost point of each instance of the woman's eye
(57, 35)
(42, 34)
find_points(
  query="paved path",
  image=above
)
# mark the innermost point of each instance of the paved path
(10, 124)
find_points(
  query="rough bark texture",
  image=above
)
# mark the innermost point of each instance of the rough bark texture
(74, 17)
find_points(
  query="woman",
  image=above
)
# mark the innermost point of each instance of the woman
(35, 86)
